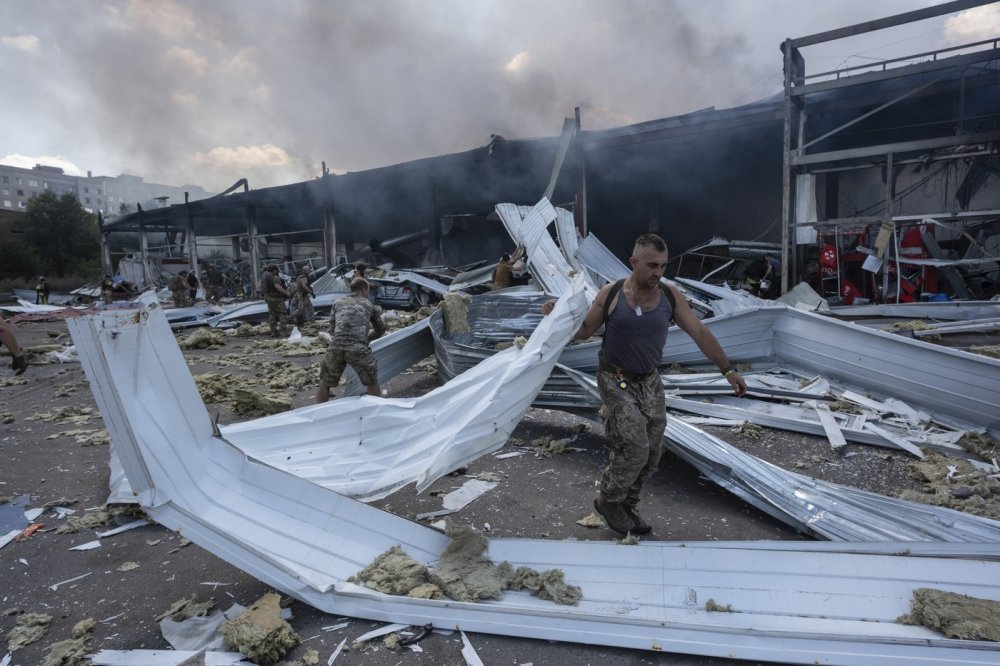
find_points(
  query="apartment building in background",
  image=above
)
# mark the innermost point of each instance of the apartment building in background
(109, 195)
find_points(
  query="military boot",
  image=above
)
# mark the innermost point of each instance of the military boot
(19, 364)
(614, 515)
(639, 525)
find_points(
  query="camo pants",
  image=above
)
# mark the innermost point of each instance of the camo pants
(634, 421)
(336, 360)
(277, 315)
(304, 308)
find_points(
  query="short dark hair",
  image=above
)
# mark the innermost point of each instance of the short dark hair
(358, 285)
(650, 240)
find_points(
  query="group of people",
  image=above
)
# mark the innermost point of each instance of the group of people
(276, 292)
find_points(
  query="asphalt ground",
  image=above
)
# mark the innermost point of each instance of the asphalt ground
(539, 497)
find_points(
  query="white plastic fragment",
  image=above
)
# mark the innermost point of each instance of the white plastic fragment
(7, 538)
(164, 658)
(23, 561)
(469, 491)
(5, 661)
(335, 627)
(336, 653)
(124, 528)
(63, 511)
(55, 586)
(512, 454)
(90, 545)
(381, 631)
(895, 439)
(830, 426)
(415, 648)
(31, 514)
(469, 652)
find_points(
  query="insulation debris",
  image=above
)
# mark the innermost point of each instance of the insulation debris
(203, 338)
(993, 351)
(549, 446)
(955, 615)
(73, 651)
(956, 484)
(213, 387)
(713, 607)
(128, 566)
(982, 445)
(392, 641)
(62, 501)
(70, 414)
(456, 312)
(492, 477)
(249, 403)
(628, 540)
(85, 437)
(913, 325)
(259, 632)
(748, 429)
(30, 627)
(6, 417)
(591, 520)
(185, 608)
(395, 572)
(463, 573)
(87, 521)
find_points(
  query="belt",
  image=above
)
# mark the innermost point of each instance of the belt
(604, 366)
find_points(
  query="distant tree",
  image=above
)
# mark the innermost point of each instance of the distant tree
(19, 260)
(65, 235)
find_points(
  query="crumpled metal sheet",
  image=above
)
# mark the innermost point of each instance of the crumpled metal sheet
(368, 447)
(596, 256)
(792, 603)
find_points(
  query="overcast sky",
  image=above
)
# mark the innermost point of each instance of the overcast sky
(193, 92)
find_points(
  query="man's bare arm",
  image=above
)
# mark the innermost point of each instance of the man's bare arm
(706, 341)
(594, 318)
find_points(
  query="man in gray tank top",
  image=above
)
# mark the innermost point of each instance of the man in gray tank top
(638, 316)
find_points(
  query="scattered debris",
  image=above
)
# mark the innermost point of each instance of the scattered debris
(392, 641)
(259, 632)
(142, 522)
(128, 566)
(993, 351)
(213, 387)
(463, 573)
(470, 491)
(87, 521)
(62, 501)
(548, 446)
(30, 627)
(491, 477)
(713, 607)
(955, 615)
(591, 520)
(456, 312)
(69, 414)
(748, 429)
(90, 545)
(249, 403)
(56, 586)
(982, 445)
(73, 651)
(185, 608)
(184, 542)
(628, 540)
(469, 653)
(954, 483)
(203, 338)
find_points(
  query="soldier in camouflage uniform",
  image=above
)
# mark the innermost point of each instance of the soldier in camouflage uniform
(178, 289)
(350, 321)
(636, 313)
(304, 293)
(275, 294)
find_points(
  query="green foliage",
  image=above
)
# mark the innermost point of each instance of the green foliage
(19, 260)
(65, 236)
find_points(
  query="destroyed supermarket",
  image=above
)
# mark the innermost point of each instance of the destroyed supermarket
(177, 489)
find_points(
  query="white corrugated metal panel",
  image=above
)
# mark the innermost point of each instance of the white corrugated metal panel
(529, 227)
(822, 508)
(598, 258)
(368, 447)
(790, 605)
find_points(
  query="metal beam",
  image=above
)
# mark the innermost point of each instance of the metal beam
(887, 22)
(902, 147)
(898, 72)
(873, 219)
(858, 119)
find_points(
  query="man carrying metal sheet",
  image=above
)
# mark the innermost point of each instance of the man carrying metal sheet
(350, 320)
(636, 313)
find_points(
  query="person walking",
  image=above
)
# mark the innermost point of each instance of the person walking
(636, 313)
